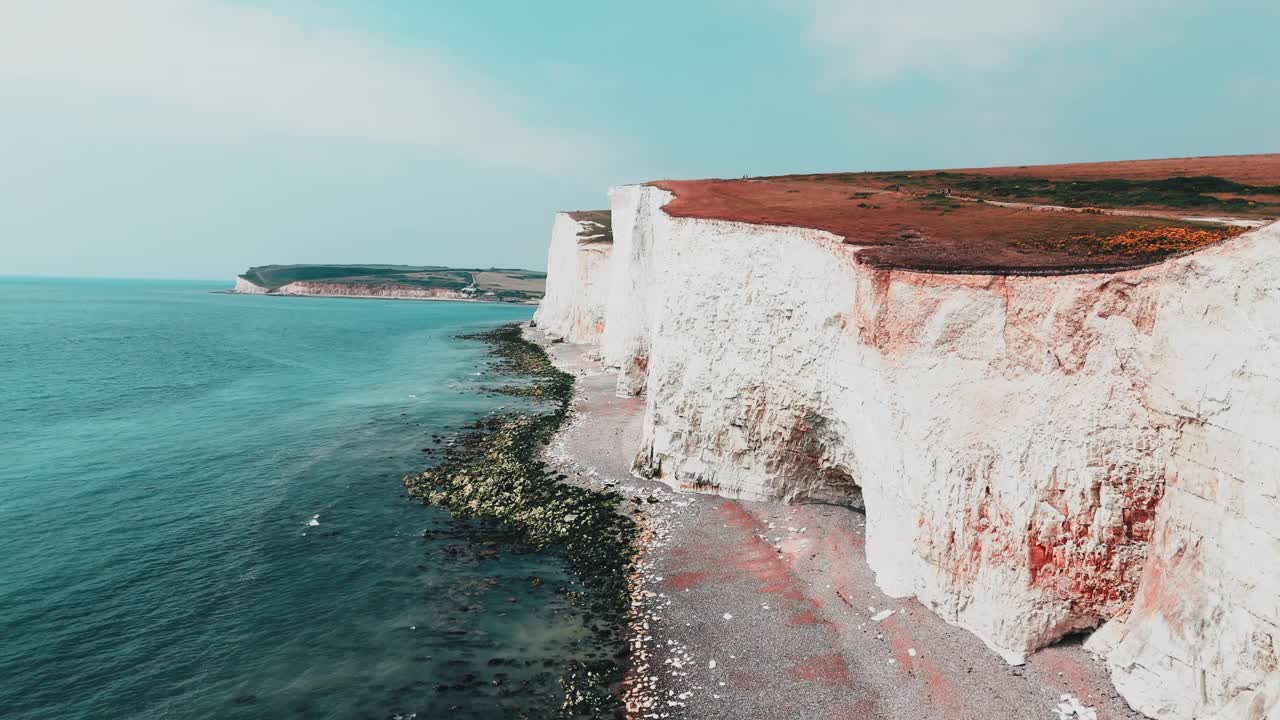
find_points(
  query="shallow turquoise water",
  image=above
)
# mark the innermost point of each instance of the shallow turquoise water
(164, 452)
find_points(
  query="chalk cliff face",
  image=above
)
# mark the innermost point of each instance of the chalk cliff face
(362, 290)
(407, 282)
(370, 290)
(1203, 631)
(245, 287)
(639, 229)
(1036, 455)
(573, 308)
(994, 427)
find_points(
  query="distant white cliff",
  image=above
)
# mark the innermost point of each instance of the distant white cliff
(317, 288)
(389, 291)
(243, 286)
(573, 308)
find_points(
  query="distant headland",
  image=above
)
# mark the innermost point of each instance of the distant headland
(401, 282)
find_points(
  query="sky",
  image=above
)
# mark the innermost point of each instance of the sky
(195, 138)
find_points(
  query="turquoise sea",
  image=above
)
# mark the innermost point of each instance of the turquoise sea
(202, 515)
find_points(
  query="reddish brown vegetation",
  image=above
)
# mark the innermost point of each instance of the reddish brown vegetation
(918, 224)
(1155, 243)
(1252, 169)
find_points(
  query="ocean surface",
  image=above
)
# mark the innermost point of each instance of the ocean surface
(202, 515)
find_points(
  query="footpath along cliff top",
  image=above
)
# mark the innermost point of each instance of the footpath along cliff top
(1040, 219)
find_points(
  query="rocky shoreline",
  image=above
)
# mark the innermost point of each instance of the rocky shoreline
(496, 471)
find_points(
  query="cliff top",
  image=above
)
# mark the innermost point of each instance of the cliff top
(504, 283)
(597, 225)
(1040, 219)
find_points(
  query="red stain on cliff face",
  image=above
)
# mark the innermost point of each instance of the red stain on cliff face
(822, 669)
(869, 305)
(1097, 567)
(1173, 571)
(984, 536)
(1129, 299)
(894, 327)
(1064, 325)
(1037, 557)
(1047, 324)
(917, 306)
(1085, 548)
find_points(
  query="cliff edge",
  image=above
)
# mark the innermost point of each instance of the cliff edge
(1055, 390)
(579, 254)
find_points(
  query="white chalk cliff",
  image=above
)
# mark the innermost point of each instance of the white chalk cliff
(1037, 455)
(244, 287)
(573, 308)
(320, 288)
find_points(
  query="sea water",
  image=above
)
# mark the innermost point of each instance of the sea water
(202, 515)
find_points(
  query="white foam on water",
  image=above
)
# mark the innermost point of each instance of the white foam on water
(315, 520)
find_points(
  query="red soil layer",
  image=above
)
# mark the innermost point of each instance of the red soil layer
(915, 225)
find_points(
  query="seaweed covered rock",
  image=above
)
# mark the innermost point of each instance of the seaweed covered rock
(495, 472)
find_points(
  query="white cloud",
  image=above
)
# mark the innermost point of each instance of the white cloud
(246, 69)
(871, 40)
